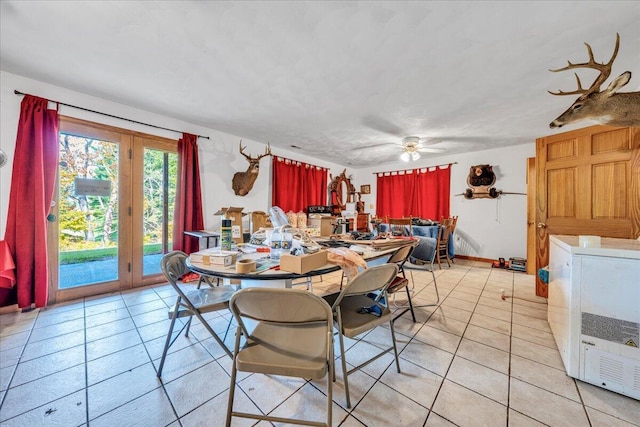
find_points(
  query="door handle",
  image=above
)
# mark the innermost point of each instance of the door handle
(542, 225)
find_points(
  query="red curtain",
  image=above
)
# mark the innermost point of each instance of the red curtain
(188, 204)
(394, 194)
(415, 193)
(433, 196)
(35, 165)
(297, 185)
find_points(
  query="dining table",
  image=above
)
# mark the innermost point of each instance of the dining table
(268, 273)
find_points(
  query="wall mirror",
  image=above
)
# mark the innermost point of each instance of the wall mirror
(342, 192)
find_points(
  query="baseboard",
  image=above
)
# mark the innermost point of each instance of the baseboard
(474, 258)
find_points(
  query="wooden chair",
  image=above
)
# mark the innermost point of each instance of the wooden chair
(454, 220)
(400, 226)
(442, 243)
(453, 224)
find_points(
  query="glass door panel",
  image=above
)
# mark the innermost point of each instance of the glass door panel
(159, 189)
(88, 213)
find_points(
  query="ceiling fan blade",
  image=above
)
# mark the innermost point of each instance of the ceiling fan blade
(427, 142)
(431, 150)
(367, 147)
(382, 125)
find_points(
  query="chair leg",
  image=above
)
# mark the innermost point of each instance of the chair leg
(186, 334)
(232, 386)
(168, 341)
(395, 349)
(345, 373)
(435, 285)
(213, 334)
(413, 314)
(330, 389)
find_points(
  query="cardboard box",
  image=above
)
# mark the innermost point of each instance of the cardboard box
(304, 263)
(223, 258)
(235, 215)
(324, 223)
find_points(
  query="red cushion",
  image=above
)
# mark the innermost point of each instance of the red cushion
(398, 283)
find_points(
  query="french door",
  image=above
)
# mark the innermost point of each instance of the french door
(112, 214)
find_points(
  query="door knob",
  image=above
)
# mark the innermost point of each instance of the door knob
(542, 225)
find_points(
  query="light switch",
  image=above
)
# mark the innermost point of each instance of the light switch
(371, 205)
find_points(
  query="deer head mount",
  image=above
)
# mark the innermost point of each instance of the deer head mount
(243, 181)
(606, 107)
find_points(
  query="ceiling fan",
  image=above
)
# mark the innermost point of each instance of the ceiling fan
(411, 147)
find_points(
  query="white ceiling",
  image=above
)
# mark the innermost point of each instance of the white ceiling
(344, 81)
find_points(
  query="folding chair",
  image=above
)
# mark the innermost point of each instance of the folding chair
(288, 332)
(423, 257)
(361, 306)
(191, 303)
(400, 282)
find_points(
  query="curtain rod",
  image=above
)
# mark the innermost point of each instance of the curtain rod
(421, 167)
(111, 115)
(284, 159)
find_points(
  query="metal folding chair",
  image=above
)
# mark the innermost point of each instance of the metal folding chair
(194, 302)
(287, 332)
(361, 306)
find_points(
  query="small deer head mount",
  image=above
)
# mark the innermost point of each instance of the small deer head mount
(243, 181)
(606, 107)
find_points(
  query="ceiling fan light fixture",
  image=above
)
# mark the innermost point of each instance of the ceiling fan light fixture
(415, 156)
(405, 156)
(410, 141)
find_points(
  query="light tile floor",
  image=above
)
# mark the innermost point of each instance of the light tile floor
(474, 360)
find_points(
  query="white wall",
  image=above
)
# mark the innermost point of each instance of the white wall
(487, 228)
(219, 156)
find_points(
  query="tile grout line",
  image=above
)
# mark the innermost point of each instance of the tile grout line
(510, 345)
(444, 377)
(86, 364)
(15, 369)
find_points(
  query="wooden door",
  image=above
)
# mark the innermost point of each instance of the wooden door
(588, 184)
(531, 215)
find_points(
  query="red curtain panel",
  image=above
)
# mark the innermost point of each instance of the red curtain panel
(432, 198)
(415, 193)
(188, 204)
(394, 194)
(297, 185)
(35, 164)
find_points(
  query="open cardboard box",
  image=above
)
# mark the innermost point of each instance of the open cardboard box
(235, 215)
(303, 263)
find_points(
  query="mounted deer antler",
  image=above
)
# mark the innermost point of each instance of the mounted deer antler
(606, 107)
(243, 181)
